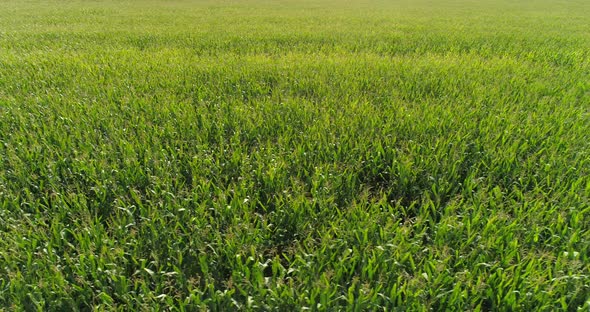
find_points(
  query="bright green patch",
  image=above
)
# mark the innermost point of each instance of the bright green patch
(323, 155)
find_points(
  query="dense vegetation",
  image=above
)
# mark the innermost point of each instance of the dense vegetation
(290, 155)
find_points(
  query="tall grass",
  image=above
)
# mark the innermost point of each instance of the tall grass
(261, 155)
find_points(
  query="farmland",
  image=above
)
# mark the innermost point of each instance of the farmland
(291, 155)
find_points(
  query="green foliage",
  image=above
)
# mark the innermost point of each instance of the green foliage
(295, 155)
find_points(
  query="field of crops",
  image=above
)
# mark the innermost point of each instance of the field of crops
(295, 155)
